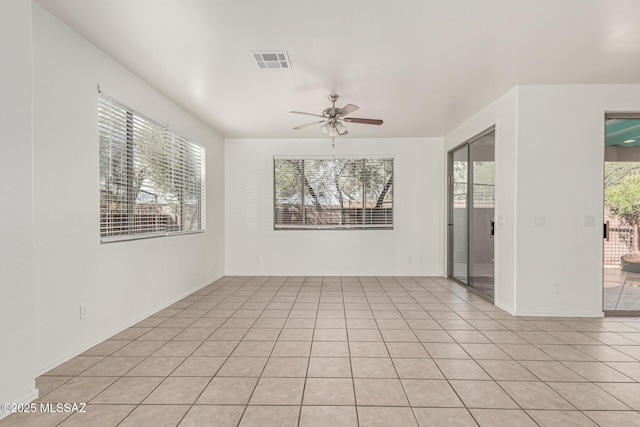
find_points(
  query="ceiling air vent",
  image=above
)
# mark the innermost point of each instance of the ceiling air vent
(272, 60)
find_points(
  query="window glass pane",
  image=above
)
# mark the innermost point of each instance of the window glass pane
(151, 181)
(333, 193)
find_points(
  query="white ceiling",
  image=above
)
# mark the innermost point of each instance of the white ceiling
(424, 66)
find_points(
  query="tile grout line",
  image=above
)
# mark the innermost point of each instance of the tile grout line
(306, 376)
(346, 328)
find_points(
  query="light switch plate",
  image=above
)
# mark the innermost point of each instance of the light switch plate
(589, 221)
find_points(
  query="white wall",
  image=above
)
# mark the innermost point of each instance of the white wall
(16, 213)
(501, 113)
(549, 163)
(412, 248)
(124, 282)
(560, 177)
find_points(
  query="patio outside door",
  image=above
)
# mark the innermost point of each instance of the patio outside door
(471, 213)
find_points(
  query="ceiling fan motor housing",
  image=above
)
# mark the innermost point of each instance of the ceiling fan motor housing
(331, 112)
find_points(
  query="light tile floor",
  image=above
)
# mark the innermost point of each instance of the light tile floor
(349, 351)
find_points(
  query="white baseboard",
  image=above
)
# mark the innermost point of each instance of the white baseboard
(128, 324)
(589, 314)
(509, 310)
(30, 397)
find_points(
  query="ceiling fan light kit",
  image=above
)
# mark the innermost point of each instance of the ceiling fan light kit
(333, 118)
(334, 129)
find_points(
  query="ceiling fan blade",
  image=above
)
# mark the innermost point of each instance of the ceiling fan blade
(309, 124)
(307, 114)
(363, 121)
(347, 109)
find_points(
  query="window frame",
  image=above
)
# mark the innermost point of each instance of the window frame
(188, 174)
(367, 212)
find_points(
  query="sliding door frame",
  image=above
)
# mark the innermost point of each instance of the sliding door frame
(614, 312)
(469, 201)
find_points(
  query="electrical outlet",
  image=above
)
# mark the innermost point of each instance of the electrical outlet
(557, 287)
(83, 311)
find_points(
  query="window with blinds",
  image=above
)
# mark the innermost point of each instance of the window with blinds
(151, 180)
(344, 193)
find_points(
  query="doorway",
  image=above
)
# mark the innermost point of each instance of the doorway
(621, 251)
(471, 175)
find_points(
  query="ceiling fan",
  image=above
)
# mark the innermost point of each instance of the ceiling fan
(334, 118)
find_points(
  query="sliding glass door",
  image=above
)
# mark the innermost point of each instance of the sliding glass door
(471, 213)
(458, 214)
(482, 185)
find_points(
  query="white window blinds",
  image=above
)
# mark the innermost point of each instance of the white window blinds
(333, 192)
(151, 180)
